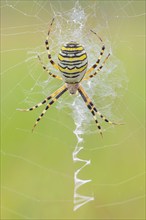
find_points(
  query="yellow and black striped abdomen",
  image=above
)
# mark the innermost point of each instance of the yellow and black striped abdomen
(72, 62)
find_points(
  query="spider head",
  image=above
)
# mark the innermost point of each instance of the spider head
(72, 62)
(72, 88)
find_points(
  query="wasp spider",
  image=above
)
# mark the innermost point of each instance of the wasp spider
(72, 65)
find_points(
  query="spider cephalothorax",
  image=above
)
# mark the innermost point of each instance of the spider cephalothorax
(73, 68)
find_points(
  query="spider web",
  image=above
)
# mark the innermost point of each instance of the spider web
(33, 165)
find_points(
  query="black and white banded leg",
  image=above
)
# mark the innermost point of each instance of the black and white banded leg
(46, 69)
(60, 93)
(48, 49)
(99, 58)
(93, 109)
(98, 70)
(87, 102)
(44, 101)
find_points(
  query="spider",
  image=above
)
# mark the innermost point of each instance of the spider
(72, 65)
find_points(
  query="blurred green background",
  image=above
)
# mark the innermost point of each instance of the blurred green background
(37, 169)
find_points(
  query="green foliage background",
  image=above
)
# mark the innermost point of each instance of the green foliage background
(37, 169)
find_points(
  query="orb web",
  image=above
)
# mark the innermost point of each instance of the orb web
(107, 90)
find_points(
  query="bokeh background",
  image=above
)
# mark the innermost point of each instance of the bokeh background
(37, 169)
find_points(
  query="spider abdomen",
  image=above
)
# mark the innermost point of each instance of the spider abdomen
(72, 62)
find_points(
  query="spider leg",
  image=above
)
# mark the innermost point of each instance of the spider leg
(93, 108)
(87, 102)
(48, 49)
(100, 115)
(98, 70)
(60, 92)
(99, 58)
(103, 117)
(45, 68)
(44, 101)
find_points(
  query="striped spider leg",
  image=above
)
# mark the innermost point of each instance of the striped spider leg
(97, 62)
(49, 56)
(92, 108)
(99, 58)
(54, 96)
(98, 70)
(46, 69)
(48, 49)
